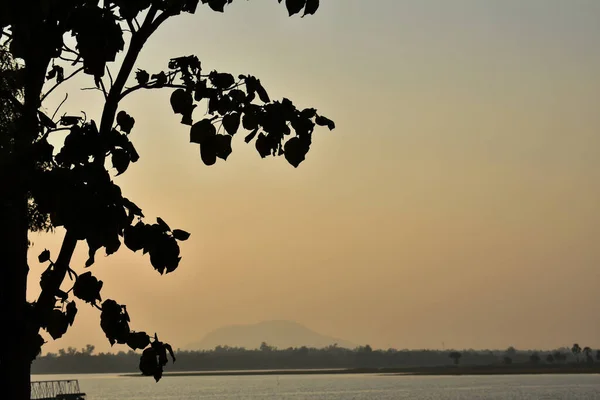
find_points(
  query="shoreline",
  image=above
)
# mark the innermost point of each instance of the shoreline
(420, 371)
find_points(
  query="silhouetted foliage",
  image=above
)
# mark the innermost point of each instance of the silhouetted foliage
(534, 358)
(72, 186)
(576, 350)
(455, 356)
(587, 352)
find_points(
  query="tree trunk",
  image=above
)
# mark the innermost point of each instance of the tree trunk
(18, 328)
(15, 364)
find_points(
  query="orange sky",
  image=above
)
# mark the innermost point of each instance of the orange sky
(458, 200)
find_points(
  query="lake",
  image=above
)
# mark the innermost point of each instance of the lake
(333, 387)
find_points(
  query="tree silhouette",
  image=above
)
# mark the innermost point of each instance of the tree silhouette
(587, 352)
(11, 93)
(534, 358)
(598, 355)
(73, 186)
(550, 358)
(576, 350)
(455, 356)
(559, 356)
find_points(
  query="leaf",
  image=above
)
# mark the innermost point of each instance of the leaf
(200, 90)
(202, 130)
(251, 136)
(221, 80)
(262, 93)
(138, 340)
(181, 235)
(161, 79)
(149, 364)
(113, 246)
(222, 144)
(69, 120)
(142, 77)
(323, 121)
(135, 236)
(311, 7)
(71, 312)
(262, 145)
(163, 225)
(294, 6)
(170, 350)
(125, 121)
(120, 160)
(217, 5)
(295, 151)
(207, 152)
(56, 72)
(114, 321)
(249, 121)
(46, 121)
(57, 324)
(181, 101)
(44, 256)
(308, 113)
(87, 288)
(231, 122)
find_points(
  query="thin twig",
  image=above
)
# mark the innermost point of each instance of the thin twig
(147, 86)
(109, 76)
(64, 80)
(49, 131)
(91, 88)
(71, 60)
(131, 27)
(69, 50)
(60, 105)
(103, 88)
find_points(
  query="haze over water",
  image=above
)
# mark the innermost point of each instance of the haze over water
(457, 201)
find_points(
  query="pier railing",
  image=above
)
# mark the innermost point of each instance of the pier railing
(56, 390)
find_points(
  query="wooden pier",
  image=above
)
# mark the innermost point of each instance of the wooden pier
(56, 390)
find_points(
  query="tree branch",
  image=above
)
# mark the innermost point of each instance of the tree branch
(64, 80)
(110, 76)
(46, 298)
(138, 87)
(60, 105)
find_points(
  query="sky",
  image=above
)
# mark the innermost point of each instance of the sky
(457, 201)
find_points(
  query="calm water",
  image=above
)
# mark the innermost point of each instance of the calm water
(333, 387)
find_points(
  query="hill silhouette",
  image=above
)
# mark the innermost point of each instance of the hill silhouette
(281, 334)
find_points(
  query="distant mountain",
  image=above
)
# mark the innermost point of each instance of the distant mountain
(281, 334)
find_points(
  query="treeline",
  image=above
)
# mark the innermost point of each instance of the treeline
(269, 358)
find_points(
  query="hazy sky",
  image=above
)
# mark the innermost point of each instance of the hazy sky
(457, 201)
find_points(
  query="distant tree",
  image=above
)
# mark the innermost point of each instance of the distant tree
(265, 347)
(576, 350)
(559, 356)
(365, 349)
(550, 358)
(598, 355)
(77, 191)
(511, 351)
(587, 352)
(455, 356)
(534, 358)
(507, 360)
(88, 350)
